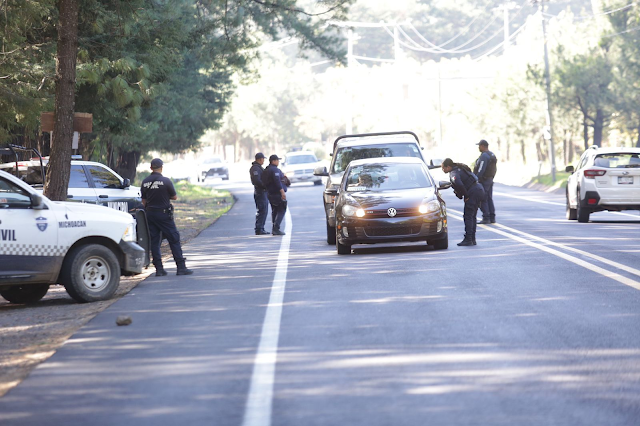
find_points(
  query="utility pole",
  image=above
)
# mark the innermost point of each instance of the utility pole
(350, 61)
(548, 134)
(439, 108)
(506, 7)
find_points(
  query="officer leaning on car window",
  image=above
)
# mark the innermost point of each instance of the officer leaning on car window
(276, 184)
(157, 193)
(259, 194)
(466, 186)
(485, 169)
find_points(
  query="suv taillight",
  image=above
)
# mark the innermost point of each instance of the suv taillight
(592, 173)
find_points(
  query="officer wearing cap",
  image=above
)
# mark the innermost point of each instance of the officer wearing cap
(273, 179)
(465, 186)
(259, 194)
(157, 193)
(485, 169)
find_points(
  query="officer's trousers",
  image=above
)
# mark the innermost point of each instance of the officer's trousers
(471, 205)
(488, 210)
(161, 224)
(278, 210)
(262, 208)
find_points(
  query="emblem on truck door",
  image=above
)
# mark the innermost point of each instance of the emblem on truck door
(42, 223)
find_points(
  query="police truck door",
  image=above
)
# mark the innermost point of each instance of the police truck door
(28, 238)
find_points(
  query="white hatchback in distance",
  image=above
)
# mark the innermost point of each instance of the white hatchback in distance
(605, 179)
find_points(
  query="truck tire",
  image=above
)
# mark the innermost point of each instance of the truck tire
(331, 234)
(90, 273)
(23, 294)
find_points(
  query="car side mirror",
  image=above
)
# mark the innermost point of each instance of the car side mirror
(443, 184)
(320, 171)
(434, 164)
(36, 201)
(569, 169)
(126, 183)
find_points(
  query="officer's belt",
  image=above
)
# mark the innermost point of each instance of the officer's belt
(159, 209)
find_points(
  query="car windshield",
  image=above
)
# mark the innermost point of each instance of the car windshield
(301, 159)
(387, 177)
(346, 155)
(619, 160)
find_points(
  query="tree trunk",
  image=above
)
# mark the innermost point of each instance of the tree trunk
(598, 127)
(127, 164)
(57, 179)
(638, 141)
(523, 151)
(585, 133)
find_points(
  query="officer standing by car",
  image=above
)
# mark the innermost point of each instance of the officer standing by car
(157, 193)
(465, 186)
(259, 194)
(485, 169)
(273, 179)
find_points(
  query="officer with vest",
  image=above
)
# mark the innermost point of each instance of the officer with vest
(259, 194)
(485, 169)
(273, 179)
(465, 186)
(157, 193)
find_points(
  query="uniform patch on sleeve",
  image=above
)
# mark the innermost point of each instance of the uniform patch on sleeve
(255, 173)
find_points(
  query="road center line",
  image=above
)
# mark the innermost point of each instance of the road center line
(260, 399)
(590, 266)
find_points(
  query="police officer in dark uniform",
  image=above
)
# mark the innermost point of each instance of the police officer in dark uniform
(485, 169)
(259, 194)
(157, 193)
(465, 185)
(273, 179)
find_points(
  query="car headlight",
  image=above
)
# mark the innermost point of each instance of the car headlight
(130, 233)
(431, 206)
(351, 211)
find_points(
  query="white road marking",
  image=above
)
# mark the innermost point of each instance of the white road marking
(533, 200)
(590, 266)
(260, 399)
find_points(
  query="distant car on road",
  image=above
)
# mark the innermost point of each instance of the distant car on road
(213, 167)
(389, 199)
(300, 165)
(605, 179)
(354, 147)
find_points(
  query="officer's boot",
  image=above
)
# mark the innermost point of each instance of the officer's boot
(468, 241)
(473, 239)
(160, 272)
(182, 268)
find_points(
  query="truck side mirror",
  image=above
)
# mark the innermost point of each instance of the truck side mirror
(320, 171)
(36, 201)
(126, 183)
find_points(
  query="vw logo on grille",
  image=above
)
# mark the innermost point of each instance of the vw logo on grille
(392, 212)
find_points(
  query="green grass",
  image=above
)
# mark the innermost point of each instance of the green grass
(546, 179)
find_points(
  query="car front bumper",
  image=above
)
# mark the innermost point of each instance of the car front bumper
(133, 257)
(381, 230)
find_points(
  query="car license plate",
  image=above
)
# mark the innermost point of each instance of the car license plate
(625, 180)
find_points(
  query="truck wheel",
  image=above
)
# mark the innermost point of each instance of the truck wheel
(331, 234)
(22, 294)
(317, 182)
(90, 273)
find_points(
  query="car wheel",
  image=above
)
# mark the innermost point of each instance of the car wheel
(331, 234)
(90, 273)
(225, 178)
(583, 213)
(441, 244)
(23, 294)
(572, 214)
(342, 248)
(317, 182)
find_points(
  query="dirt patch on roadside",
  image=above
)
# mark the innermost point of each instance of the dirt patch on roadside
(31, 334)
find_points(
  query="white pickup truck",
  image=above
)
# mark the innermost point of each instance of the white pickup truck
(85, 248)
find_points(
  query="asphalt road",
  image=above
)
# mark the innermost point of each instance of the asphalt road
(538, 324)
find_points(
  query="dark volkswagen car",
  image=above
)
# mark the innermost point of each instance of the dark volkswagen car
(382, 200)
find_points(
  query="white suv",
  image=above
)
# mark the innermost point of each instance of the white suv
(299, 167)
(605, 179)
